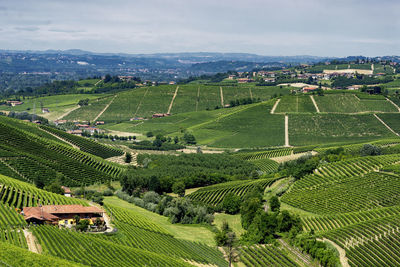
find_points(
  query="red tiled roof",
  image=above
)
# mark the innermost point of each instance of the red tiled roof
(36, 212)
(61, 209)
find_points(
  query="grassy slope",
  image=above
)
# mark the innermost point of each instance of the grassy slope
(188, 232)
(295, 104)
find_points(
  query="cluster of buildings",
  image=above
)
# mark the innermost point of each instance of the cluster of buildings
(82, 126)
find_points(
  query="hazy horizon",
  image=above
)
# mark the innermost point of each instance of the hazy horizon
(291, 27)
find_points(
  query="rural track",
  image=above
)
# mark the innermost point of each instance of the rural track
(104, 109)
(172, 101)
(68, 112)
(275, 105)
(394, 104)
(198, 98)
(287, 131)
(222, 96)
(33, 245)
(342, 253)
(387, 126)
(315, 103)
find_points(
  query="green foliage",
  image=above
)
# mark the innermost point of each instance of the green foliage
(370, 150)
(128, 157)
(54, 187)
(274, 204)
(179, 188)
(189, 139)
(231, 203)
(83, 102)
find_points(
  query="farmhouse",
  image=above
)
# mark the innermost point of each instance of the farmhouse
(160, 115)
(244, 80)
(14, 103)
(45, 110)
(67, 191)
(61, 214)
(309, 89)
(76, 132)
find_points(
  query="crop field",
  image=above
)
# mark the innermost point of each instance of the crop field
(265, 255)
(329, 128)
(36, 158)
(12, 255)
(392, 120)
(89, 250)
(347, 187)
(89, 112)
(14, 236)
(251, 127)
(266, 165)
(19, 194)
(265, 154)
(349, 103)
(214, 194)
(9, 217)
(289, 104)
(371, 243)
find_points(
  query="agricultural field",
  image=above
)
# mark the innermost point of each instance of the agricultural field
(330, 128)
(392, 120)
(350, 103)
(89, 112)
(251, 127)
(214, 194)
(295, 104)
(265, 255)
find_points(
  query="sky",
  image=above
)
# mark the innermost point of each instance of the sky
(273, 28)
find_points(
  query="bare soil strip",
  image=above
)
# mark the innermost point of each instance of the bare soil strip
(292, 157)
(315, 103)
(357, 97)
(394, 104)
(275, 105)
(198, 98)
(342, 253)
(222, 96)
(104, 109)
(287, 131)
(172, 101)
(140, 103)
(97, 82)
(251, 94)
(33, 245)
(66, 113)
(387, 126)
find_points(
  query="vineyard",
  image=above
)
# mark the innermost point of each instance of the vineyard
(266, 165)
(10, 218)
(295, 104)
(265, 255)
(19, 194)
(12, 255)
(372, 243)
(85, 144)
(30, 157)
(214, 194)
(92, 251)
(265, 154)
(139, 232)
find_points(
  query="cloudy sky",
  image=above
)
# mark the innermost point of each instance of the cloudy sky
(266, 27)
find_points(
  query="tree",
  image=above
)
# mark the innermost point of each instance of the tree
(248, 211)
(176, 139)
(128, 157)
(231, 203)
(370, 150)
(179, 188)
(274, 203)
(149, 134)
(189, 138)
(231, 251)
(54, 187)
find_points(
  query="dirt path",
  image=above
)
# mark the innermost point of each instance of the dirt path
(97, 82)
(357, 97)
(387, 126)
(198, 98)
(106, 218)
(275, 105)
(65, 141)
(315, 103)
(222, 96)
(69, 111)
(394, 104)
(33, 245)
(251, 94)
(342, 253)
(292, 157)
(372, 67)
(172, 101)
(287, 131)
(104, 109)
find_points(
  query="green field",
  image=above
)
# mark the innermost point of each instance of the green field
(330, 128)
(295, 104)
(350, 103)
(392, 120)
(89, 112)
